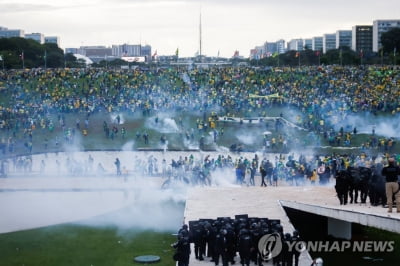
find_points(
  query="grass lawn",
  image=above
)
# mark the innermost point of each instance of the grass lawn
(249, 135)
(83, 245)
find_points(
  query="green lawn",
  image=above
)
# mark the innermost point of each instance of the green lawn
(83, 245)
(250, 136)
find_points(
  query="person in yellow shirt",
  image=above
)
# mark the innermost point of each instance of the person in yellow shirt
(314, 176)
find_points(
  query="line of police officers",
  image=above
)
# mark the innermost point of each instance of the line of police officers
(378, 183)
(223, 238)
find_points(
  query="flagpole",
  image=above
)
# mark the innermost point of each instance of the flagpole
(23, 59)
(45, 59)
(394, 55)
(299, 59)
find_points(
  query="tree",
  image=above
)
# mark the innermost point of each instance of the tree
(34, 53)
(391, 40)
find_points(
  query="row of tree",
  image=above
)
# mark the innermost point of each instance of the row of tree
(17, 53)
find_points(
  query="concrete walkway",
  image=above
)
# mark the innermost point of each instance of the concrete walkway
(268, 202)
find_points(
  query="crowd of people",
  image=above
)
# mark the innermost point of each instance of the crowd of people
(325, 95)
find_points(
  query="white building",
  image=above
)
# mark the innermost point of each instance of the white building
(308, 43)
(379, 27)
(280, 44)
(317, 43)
(6, 33)
(39, 37)
(296, 45)
(328, 42)
(343, 38)
(126, 50)
(52, 39)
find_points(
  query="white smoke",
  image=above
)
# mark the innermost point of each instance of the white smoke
(164, 125)
(383, 126)
(128, 146)
(114, 118)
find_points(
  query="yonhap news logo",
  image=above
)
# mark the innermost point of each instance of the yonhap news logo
(271, 245)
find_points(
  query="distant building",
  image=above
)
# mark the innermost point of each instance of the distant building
(257, 53)
(379, 27)
(328, 42)
(270, 48)
(308, 44)
(126, 50)
(280, 44)
(71, 50)
(95, 51)
(39, 37)
(317, 43)
(146, 52)
(343, 38)
(6, 33)
(362, 38)
(52, 39)
(296, 45)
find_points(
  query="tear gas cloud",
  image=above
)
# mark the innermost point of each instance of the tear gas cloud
(383, 126)
(164, 125)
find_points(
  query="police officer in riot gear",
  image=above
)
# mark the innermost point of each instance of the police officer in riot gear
(182, 247)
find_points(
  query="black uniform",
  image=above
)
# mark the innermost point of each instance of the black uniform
(182, 247)
(342, 186)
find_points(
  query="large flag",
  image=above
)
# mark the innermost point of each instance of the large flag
(297, 54)
(155, 54)
(22, 55)
(317, 53)
(361, 53)
(275, 54)
(1, 58)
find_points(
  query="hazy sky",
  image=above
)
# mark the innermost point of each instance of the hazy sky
(228, 25)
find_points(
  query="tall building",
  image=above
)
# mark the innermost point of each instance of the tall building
(126, 50)
(270, 48)
(71, 50)
(308, 44)
(6, 33)
(257, 52)
(280, 44)
(362, 38)
(328, 42)
(379, 27)
(343, 38)
(146, 52)
(39, 37)
(296, 45)
(317, 43)
(52, 39)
